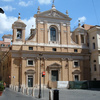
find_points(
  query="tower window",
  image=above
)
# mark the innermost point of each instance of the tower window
(94, 61)
(95, 67)
(93, 37)
(52, 34)
(93, 45)
(19, 34)
(82, 38)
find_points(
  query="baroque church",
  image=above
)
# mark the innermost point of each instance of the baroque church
(51, 48)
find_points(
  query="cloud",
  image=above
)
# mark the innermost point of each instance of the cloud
(7, 0)
(82, 19)
(29, 24)
(8, 8)
(44, 1)
(25, 4)
(7, 21)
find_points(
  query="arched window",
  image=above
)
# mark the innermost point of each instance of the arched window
(52, 34)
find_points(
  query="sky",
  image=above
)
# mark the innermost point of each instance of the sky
(87, 11)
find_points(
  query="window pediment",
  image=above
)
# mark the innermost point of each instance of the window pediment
(55, 65)
(76, 72)
(29, 72)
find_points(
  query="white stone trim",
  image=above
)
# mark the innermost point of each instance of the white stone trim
(57, 27)
(51, 45)
(18, 43)
(64, 25)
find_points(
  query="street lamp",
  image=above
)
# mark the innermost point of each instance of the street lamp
(1, 10)
(40, 76)
(19, 79)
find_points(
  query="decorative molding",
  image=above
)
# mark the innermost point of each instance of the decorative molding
(41, 22)
(62, 59)
(64, 25)
(50, 45)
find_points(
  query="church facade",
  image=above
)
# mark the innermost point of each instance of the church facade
(51, 48)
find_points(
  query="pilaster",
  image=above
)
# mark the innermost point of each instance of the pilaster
(45, 33)
(61, 37)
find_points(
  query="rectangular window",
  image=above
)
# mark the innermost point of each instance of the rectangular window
(30, 48)
(53, 49)
(30, 62)
(93, 45)
(76, 77)
(75, 50)
(2, 45)
(82, 38)
(76, 63)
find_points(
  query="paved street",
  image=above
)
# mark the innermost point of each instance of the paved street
(64, 94)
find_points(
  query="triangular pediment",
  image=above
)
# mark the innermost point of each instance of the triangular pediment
(53, 13)
(54, 65)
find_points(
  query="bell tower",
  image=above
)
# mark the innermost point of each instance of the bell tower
(18, 31)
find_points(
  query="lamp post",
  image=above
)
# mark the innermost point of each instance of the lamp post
(40, 76)
(19, 79)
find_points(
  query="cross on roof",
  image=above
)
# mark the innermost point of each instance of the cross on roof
(53, 1)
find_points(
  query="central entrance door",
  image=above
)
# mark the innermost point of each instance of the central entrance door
(54, 75)
(30, 81)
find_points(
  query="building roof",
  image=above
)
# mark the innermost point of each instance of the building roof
(53, 13)
(87, 27)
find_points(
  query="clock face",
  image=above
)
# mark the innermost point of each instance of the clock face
(19, 34)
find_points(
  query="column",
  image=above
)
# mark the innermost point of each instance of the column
(70, 66)
(79, 39)
(63, 69)
(68, 33)
(23, 35)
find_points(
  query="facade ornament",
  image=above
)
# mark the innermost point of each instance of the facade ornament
(38, 10)
(67, 12)
(79, 24)
(19, 16)
(53, 6)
